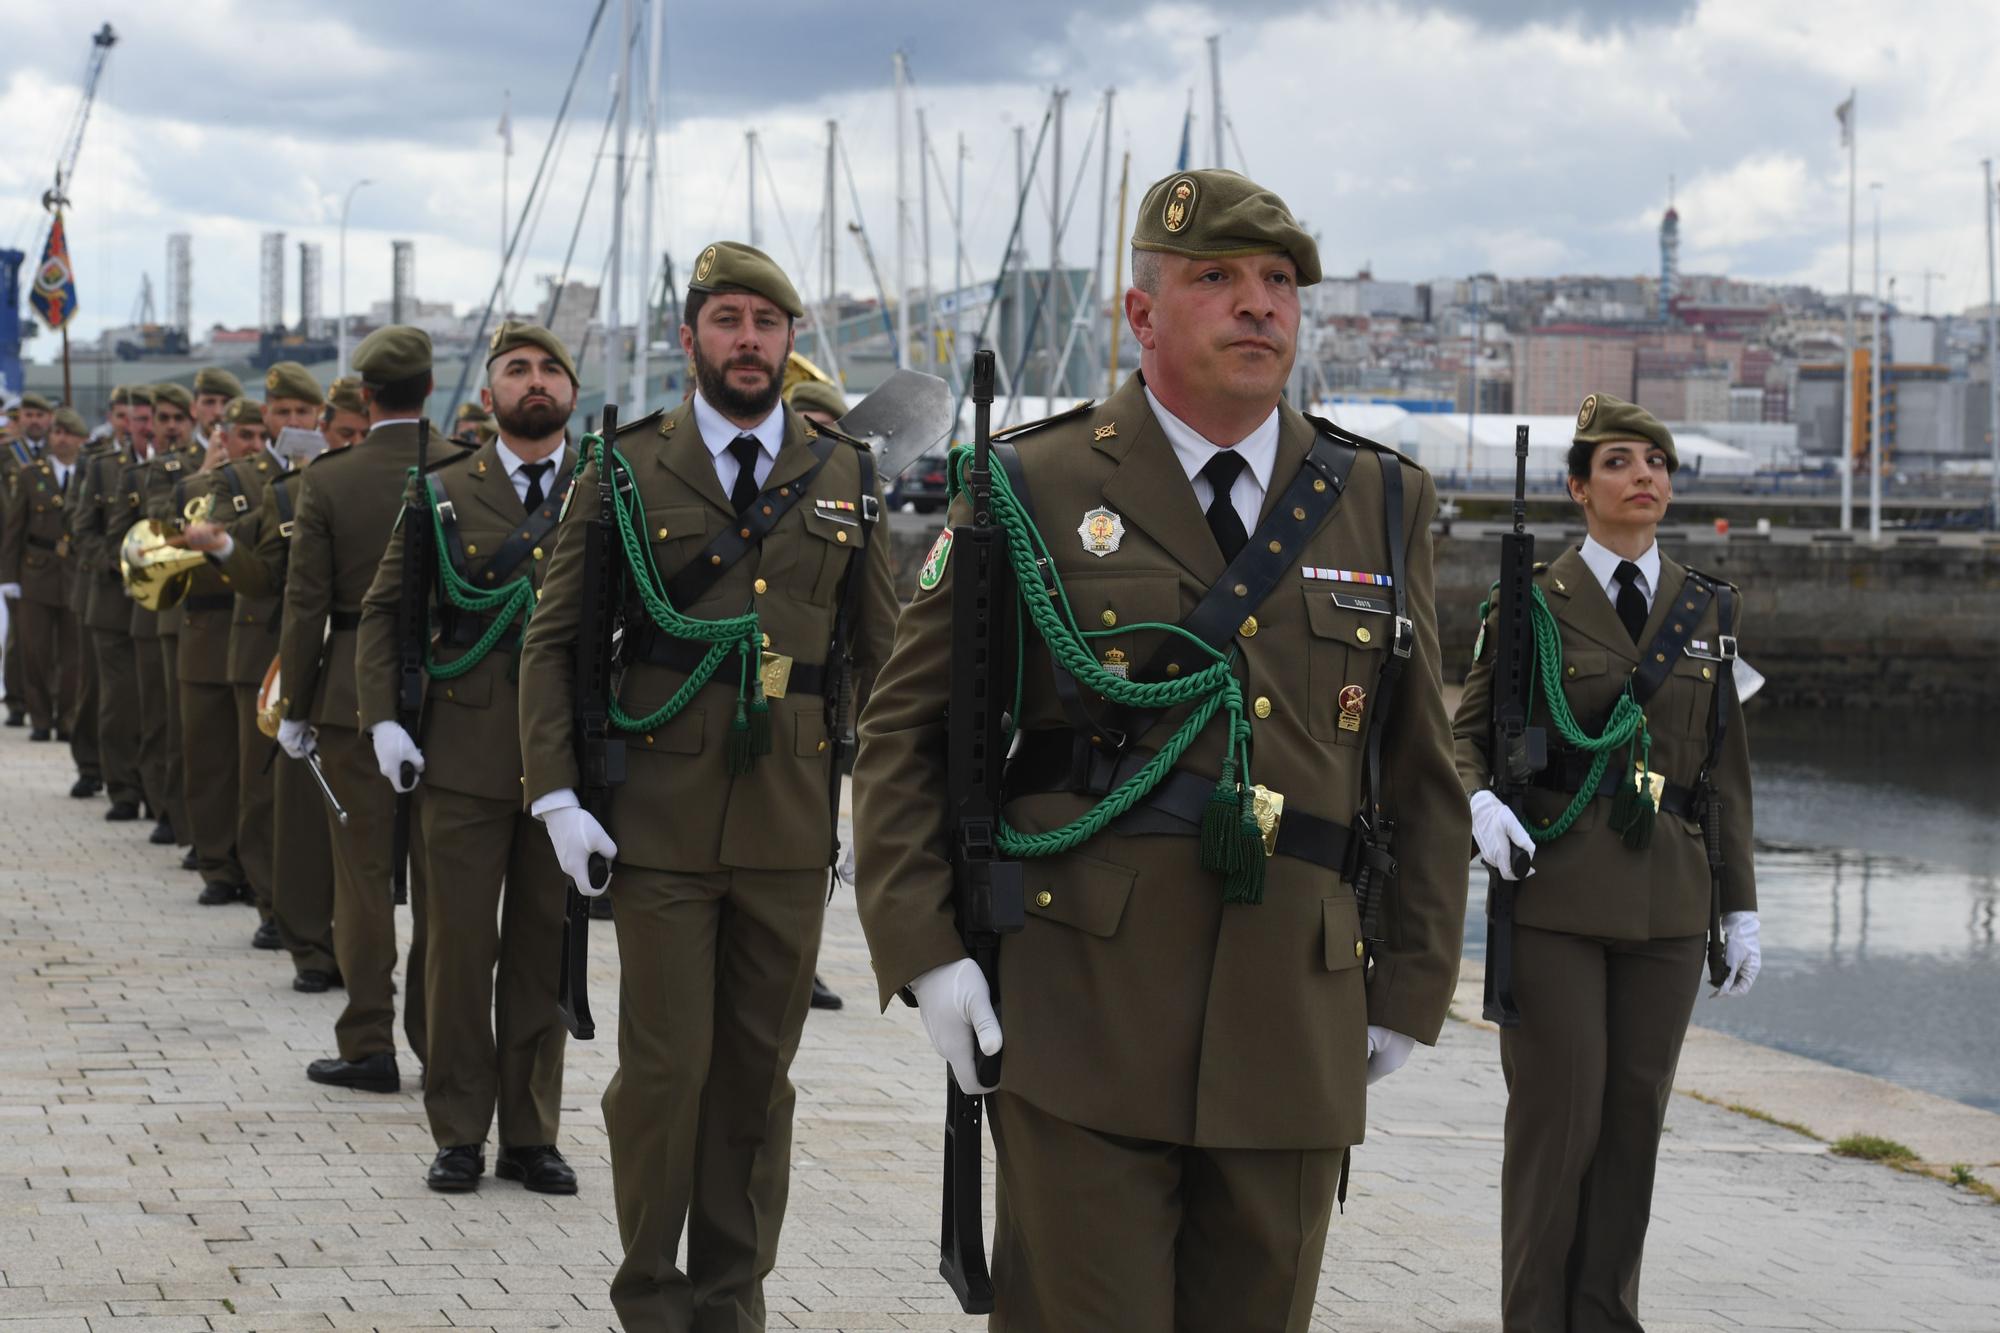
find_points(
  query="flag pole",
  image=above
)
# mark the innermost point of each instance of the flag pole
(68, 400)
(1849, 419)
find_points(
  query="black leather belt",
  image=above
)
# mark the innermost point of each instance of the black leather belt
(1567, 770)
(343, 620)
(649, 644)
(1047, 761)
(209, 601)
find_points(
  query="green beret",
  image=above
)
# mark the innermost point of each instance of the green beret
(120, 396)
(391, 353)
(35, 400)
(174, 394)
(818, 396)
(344, 394)
(470, 411)
(1603, 419)
(139, 395)
(514, 333)
(69, 419)
(214, 379)
(1215, 214)
(243, 412)
(289, 379)
(730, 266)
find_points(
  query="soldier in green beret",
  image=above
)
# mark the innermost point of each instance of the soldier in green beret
(31, 416)
(1203, 989)
(345, 420)
(102, 515)
(35, 573)
(469, 421)
(1609, 934)
(766, 527)
(214, 388)
(148, 492)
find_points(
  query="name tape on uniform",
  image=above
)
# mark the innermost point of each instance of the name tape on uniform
(1348, 576)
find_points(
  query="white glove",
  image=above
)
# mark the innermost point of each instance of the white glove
(11, 591)
(575, 834)
(295, 738)
(393, 749)
(956, 1005)
(1498, 832)
(1741, 952)
(1387, 1051)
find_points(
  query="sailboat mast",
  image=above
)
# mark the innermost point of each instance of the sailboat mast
(1215, 95)
(924, 220)
(902, 217)
(642, 345)
(614, 323)
(1053, 290)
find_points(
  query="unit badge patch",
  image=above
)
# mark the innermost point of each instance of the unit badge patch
(932, 573)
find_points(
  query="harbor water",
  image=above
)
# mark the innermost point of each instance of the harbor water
(1878, 885)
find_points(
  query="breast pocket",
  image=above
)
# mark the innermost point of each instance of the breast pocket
(830, 545)
(1693, 679)
(676, 534)
(1344, 654)
(1113, 610)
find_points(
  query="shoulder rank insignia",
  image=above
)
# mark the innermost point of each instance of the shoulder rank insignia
(1102, 532)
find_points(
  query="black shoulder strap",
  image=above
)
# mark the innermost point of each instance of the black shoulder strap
(838, 663)
(1672, 640)
(281, 495)
(715, 559)
(447, 515)
(1722, 701)
(238, 500)
(524, 539)
(1396, 534)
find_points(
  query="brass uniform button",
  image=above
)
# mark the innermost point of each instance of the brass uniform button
(1659, 657)
(649, 739)
(822, 747)
(1569, 671)
(1358, 949)
(1362, 635)
(761, 586)
(661, 535)
(1109, 617)
(1262, 708)
(840, 536)
(715, 560)
(767, 641)
(449, 694)
(537, 553)
(1241, 590)
(1299, 513)
(1173, 668)
(1044, 898)
(1706, 674)
(744, 533)
(1319, 486)
(1277, 547)
(470, 549)
(1248, 629)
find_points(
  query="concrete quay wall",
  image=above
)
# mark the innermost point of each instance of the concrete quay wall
(1829, 623)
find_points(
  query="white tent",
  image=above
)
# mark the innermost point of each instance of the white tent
(1438, 441)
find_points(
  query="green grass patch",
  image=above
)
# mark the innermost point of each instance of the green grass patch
(1873, 1148)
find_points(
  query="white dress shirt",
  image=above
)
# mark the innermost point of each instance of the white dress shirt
(514, 464)
(1258, 449)
(719, 432)
(1604, 563)
(62, 472)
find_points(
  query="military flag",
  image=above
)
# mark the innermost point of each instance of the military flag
(54, 297)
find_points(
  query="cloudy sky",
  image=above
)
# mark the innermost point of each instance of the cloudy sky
(1421, 138)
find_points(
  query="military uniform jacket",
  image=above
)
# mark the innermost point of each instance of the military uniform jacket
(348, 503)
(101, 519)
(1135, 1001)
(208, 608)
(34, 545)
(1587, 882)
(471, 723)
(775, 817)
(251, 495)
(150, 490)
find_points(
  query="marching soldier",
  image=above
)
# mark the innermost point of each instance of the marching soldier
(1192, 1012)
(150, 491)
(107, 614)
(35, 573)
(348, 502)
(214, 389)
(282, 834)
(1609, 933)
(30, 423)
(762, 538)
(495, 894)
(345, 420)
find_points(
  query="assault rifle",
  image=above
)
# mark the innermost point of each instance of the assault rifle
(600, 756)
(1515, 751)
(413, 632)
(986, 889)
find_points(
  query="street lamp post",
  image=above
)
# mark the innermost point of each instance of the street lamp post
(340, 334)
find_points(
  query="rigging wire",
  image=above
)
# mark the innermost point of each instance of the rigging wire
(826, 341)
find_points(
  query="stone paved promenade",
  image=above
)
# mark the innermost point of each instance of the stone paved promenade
(165, 1165)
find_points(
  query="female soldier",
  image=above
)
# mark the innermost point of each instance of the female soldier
(1645, 737)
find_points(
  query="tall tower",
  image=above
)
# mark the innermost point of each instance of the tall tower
(180, 263)
(1670, 256)
(309, 288)
(403, 282)
(271, 282)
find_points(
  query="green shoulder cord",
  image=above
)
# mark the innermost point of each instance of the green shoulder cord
(1633, 808)
(511, 601)
(1231, 844)
(750, 731)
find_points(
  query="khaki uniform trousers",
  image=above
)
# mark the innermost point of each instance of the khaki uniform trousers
(714, 989)
(364, 917)
(1098, 1233)
(13, 664)
(1589, 1072)
(79, 708)
(255, 816)
(174, 761)
(118, 714)
(210, 760)
(301, 865)
(494, 897)
(154, 770)
(48, 661)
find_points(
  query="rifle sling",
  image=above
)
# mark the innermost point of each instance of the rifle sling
(745, 533)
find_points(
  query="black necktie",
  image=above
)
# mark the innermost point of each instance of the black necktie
(1221, 472)
(1631, 602)
(535, 471)
(744, 450)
